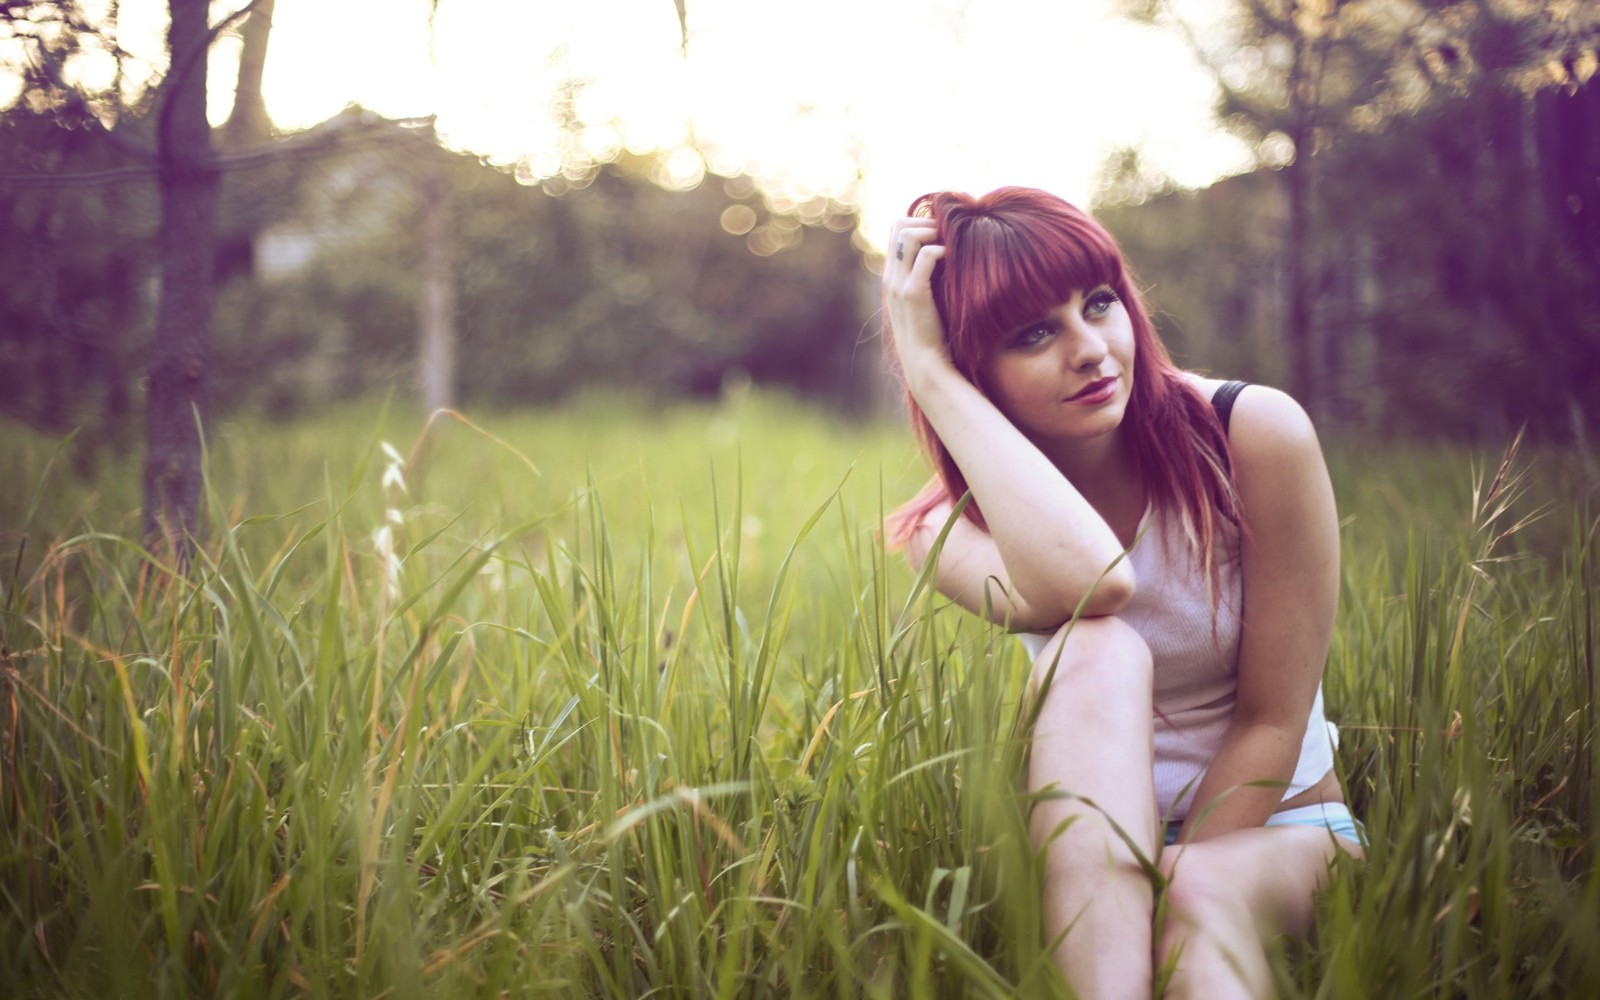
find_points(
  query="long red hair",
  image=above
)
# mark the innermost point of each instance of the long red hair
(1011, 256)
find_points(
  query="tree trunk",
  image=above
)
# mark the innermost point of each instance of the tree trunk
(1301, 350)
(248, 124)
(1568, 137)
(1297, 178)
(180, 365)
(125, 273)
(437, 308)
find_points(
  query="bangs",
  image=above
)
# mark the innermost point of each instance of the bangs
(1007, 269)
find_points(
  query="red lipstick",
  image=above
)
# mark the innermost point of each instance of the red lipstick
(1095, 392)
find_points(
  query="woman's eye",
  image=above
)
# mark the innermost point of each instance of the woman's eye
(1031, 336)
(1101, 302)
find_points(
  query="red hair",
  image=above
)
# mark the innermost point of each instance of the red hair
(1010, 257)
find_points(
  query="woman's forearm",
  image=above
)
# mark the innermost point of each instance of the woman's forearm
(1055, 546)
(1265, 752)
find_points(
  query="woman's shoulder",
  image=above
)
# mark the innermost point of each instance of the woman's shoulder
(1258, 404)
(1268, 426)
(1207, 386)
(1264, 424)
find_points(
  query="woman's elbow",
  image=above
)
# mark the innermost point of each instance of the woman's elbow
(1100, 598)
(1110, 594)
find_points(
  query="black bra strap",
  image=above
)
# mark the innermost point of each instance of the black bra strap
(1222, 400)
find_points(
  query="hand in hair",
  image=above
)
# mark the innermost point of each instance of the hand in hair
(914, 324)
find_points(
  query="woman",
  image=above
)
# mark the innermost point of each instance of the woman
(1176, 579)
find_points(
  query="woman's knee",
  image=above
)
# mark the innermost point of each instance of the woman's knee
(1104, 652)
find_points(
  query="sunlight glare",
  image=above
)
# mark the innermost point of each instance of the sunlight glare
(683, 170)
(853, 102)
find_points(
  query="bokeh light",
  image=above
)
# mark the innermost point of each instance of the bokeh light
(855, 103)
(738, 219)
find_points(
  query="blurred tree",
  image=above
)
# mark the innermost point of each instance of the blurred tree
(1286, 74)
(75, 253)
(596, 276)
(1452, 268)
(600, 279)
(437, 306)
(180, 362)
(75, 257)
(248, 124)
(180, 155)
(79, 137)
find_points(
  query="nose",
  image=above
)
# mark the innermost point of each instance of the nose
(1086, 348)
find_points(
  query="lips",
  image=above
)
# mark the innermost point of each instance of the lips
(1093, 391)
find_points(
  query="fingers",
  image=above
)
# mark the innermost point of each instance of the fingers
(922, 265)
(911, 315)
(911, 251)
(912, 222)
(908, 234)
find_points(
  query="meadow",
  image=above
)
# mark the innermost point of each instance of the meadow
(618, 701)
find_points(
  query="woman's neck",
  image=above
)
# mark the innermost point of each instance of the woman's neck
(1093, 459)
(1104, 470)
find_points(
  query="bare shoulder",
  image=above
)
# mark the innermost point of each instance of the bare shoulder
(1278, 463)
(1268, 426)
(1265, 422)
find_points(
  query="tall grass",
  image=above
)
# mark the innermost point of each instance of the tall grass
(661, 718)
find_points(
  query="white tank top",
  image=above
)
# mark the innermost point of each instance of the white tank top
(1196, 668)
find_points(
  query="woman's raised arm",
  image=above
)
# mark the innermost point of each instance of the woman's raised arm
(1046, 548)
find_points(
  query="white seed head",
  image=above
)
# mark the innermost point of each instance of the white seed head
(393, 478)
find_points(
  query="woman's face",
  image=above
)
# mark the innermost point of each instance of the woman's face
(1065, 376)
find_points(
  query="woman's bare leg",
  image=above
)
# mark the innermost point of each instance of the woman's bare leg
(1093, 739)
(1228, 894)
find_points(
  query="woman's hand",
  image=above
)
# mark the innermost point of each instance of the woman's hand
(919, 336)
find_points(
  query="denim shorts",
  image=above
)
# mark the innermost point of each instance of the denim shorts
(1334, 816)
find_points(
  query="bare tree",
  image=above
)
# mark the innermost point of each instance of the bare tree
(189, 179)
(189, 170)
(437, 305)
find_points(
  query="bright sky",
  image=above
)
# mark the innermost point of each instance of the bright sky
(914, 94)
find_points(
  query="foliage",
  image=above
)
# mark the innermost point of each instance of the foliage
(73, 319)
(663, 717)
(1438, 187)
(181, 160)
(318, 267)
(614, 282)
(73, 315)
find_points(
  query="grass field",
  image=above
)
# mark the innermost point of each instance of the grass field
(607, 702)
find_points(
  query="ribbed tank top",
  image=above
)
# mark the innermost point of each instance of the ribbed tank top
(1196, 668)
